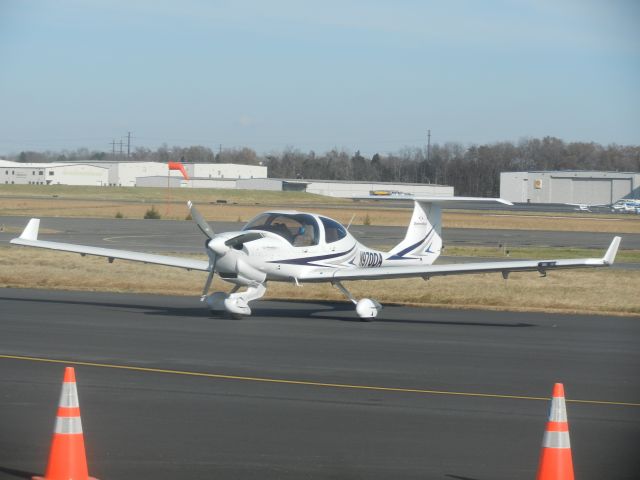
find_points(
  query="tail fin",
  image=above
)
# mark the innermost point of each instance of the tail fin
(424, 235)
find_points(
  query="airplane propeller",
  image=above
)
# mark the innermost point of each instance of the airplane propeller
(216, 246)
(213, 254)
(199, 219)
(207, 284)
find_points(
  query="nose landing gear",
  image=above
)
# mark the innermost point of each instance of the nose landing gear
(235, 303)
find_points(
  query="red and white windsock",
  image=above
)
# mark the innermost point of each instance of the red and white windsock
(555, 458)
(67, 458)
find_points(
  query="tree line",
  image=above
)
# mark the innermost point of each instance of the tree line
(471, 170)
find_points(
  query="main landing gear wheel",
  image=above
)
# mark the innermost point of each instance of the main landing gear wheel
(366, 308)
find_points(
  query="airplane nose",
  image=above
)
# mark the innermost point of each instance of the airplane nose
(218, 246)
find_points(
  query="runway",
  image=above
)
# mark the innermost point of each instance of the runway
(304, 390)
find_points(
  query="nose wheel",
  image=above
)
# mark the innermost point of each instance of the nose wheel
(235, 303)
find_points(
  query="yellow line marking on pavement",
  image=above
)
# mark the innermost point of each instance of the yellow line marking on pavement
(305, 382)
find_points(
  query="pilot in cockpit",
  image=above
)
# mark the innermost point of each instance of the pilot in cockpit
(304, 237)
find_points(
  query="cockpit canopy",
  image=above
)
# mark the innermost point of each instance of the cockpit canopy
(299, 229)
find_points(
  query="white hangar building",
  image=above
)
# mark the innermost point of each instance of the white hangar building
(52, 174)
(201, 175)
(121, 174)
(587, 187)
(154, 174)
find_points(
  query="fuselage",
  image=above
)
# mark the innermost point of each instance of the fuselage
(294, 245)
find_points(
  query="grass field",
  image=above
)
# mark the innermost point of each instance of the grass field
(159, 195)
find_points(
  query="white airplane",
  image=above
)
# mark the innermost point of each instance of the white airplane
(626, 206)
(586, 207)
(298, 247)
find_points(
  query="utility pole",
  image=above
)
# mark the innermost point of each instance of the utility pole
(128, 144)
(428, 145)
(120, 148)
(113, 148)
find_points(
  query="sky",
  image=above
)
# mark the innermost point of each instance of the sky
(360, 75)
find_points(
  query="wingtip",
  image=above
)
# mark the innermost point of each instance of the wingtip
(610, 256)
(30, 232)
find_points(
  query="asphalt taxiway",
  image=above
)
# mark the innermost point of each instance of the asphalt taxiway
(305, 390)
(184, 236)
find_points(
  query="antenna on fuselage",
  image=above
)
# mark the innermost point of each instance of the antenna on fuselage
(351, 221)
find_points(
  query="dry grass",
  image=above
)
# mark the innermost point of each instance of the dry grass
(594, 291)
(159, 195)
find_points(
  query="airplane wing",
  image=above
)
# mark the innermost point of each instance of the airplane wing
(29, 238)
(427, 271)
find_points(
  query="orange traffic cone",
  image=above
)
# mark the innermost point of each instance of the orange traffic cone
(67, 459)
(555, 458)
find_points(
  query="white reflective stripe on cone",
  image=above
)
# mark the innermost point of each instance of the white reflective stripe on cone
(558, 412)
(556, 440)
(69, 395)
(68, 425)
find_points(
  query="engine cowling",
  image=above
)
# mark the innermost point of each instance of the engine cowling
(248, 273)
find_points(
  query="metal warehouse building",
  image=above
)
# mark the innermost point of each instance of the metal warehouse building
(120, 174)
(588, 187)
(52, 174)
(139, 174)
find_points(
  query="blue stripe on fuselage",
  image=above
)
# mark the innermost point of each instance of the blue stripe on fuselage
(309, 260)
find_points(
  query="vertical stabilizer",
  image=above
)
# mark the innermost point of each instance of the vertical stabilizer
(423, 239)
